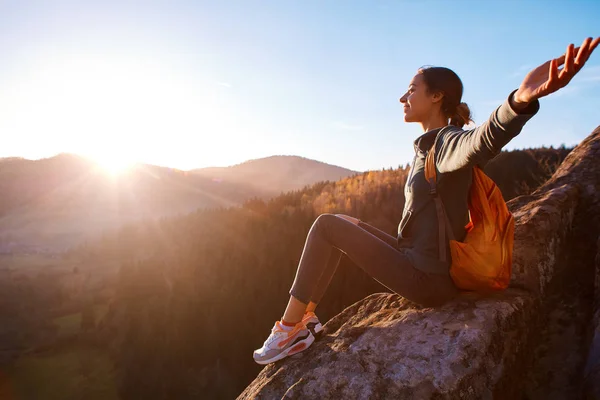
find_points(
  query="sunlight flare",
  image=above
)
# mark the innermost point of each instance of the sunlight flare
(119, 110)
(114, 165)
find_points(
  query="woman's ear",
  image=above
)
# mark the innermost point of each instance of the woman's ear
(437, 97)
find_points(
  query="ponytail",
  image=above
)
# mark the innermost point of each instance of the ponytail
(461, 116)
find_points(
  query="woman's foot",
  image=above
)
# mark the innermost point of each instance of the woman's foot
(282, 343)
(312, 323)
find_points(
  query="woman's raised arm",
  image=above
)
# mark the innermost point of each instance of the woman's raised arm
(458, 149)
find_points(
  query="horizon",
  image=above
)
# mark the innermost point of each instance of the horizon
(197, 85)
(118, 170)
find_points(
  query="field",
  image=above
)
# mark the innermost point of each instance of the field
(75, 371)
(72, 370)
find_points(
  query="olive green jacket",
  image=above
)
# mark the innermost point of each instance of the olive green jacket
(457, 151)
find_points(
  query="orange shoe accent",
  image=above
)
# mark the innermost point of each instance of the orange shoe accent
(297, 348)
(308, 314)
(291, 334)
(285, 323)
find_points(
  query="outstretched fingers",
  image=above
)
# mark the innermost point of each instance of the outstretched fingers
(587, 48)
(592, 47)
(553, 73)
(575, 58)
(569, 69)
(561, 60)
(582, 53)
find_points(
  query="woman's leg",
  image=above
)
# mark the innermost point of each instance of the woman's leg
(389, 239)
(325, 278)
(293, 312)
(377, 256)
(295, 306)
(334, 261)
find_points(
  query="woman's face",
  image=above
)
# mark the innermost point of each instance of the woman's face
(418, 103)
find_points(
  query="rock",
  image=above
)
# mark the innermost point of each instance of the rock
(541, 227)
(384, 347)
(562, 339)
(474, 347)
(592, 369)
(580, 168)
(575, 184)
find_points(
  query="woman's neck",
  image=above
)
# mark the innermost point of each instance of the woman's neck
(433, 122)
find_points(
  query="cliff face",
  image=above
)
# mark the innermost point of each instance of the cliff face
(592, 368)
(476, 346)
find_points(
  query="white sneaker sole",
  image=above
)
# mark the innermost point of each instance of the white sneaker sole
(317, 328)
(297, 348)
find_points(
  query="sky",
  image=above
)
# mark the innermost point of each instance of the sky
(192, 84)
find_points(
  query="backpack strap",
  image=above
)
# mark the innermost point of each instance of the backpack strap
(443, 221)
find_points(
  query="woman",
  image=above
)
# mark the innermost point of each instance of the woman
(409, 265)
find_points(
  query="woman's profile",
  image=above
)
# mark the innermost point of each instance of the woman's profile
(409, 264)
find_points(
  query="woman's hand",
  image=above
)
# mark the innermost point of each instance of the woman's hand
(355, 221)
(547, 79)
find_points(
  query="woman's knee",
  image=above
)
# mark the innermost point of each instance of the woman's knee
(325, 219)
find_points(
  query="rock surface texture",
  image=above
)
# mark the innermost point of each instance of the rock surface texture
(476, 347)
(592, 368)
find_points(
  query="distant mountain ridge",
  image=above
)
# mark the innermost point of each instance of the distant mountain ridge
(285, 173)
(55, 202)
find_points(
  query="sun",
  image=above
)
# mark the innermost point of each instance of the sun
(112, 164)
(121, 110)
(116, 166)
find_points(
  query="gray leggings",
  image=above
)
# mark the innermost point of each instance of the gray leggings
(374, 251)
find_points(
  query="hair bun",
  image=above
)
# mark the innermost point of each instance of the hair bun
(461, 116)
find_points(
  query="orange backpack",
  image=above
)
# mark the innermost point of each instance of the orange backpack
(482, 262)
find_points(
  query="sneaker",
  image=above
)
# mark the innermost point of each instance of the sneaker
(281, 343)
(312, 323)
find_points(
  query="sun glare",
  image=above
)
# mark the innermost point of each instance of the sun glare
(114, 165)
(117, 111)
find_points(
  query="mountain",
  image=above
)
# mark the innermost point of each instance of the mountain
(277, 173)
(53, 203)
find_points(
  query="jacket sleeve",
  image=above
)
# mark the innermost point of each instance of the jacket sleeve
(465, 148)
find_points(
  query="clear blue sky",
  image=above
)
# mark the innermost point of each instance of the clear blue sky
(195, 83)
